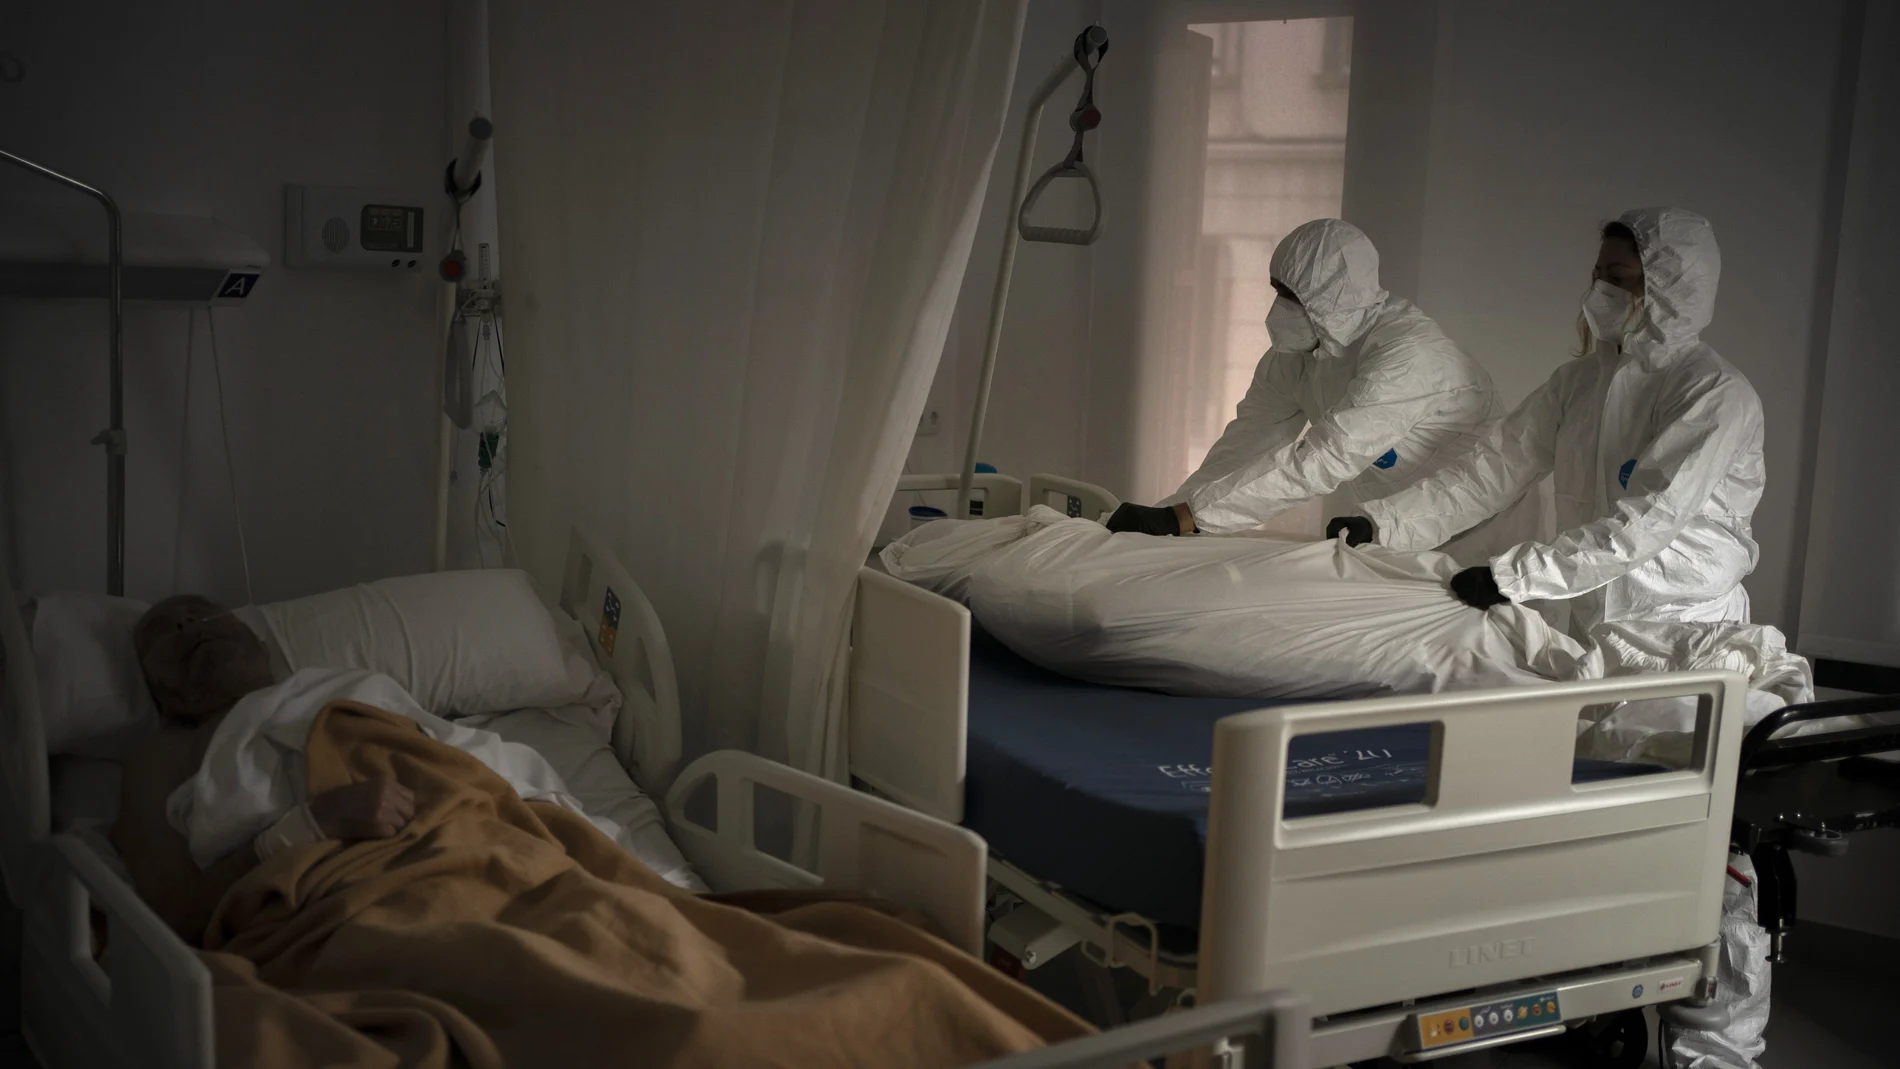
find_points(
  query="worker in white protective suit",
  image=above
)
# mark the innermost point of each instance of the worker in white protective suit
(1654, 444)
(1389, 398)
(1652, 440)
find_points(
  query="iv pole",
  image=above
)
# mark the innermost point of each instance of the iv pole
(461, 181)
(113, 437)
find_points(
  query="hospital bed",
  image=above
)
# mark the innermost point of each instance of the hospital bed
(148, 1002)
(1410, 865)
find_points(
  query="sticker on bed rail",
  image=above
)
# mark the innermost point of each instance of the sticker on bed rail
(1333, 772)
(609, 622)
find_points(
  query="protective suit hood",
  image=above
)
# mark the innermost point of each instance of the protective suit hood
(1681, 266)
(1331, 266)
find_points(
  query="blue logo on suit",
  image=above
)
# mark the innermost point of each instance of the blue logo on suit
(1390, 458)
(1623, 473)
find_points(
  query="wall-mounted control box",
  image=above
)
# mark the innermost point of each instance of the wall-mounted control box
(360, 229)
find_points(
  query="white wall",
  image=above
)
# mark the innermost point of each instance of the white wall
(210, 109)
(1850, 606)
(1545, 119)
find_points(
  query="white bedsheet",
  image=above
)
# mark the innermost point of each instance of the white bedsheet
(252, 771)
(86, 790)
(1267, 618)
(576, 745)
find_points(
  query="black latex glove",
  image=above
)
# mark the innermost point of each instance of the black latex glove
(1145, 519)
(1358, 529)
(1477, 588)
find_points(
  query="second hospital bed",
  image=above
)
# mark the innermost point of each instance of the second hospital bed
(1414, 866)
(149, 1002)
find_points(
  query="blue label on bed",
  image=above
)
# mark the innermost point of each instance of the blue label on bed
(1340, 771)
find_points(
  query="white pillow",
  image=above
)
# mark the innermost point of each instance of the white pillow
(93, 698)
(462, 643)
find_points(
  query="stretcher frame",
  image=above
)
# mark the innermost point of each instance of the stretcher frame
(148, 1003)
(1610, 892)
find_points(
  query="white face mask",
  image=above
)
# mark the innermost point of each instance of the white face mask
(1289, 329)
(1610, 311)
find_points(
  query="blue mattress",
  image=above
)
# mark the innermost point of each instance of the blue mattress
(1104, 790)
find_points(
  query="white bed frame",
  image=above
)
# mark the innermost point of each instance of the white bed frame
(1002, 495)
(150, 1006)
(1608, 894)
(1071, 497)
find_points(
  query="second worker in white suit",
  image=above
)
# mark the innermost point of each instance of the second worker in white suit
(1382, 395)
(1653, 443)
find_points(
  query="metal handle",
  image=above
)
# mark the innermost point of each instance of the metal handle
(1763, 732)
(1061, 234)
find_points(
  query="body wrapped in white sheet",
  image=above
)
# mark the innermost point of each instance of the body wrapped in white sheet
(1229, 617)
(252, 771)
(1266, 618)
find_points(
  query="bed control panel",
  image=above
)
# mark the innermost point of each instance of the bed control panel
(1466, 1024)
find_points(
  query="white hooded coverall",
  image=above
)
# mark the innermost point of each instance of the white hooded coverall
(1389, 398)
(1654, 447)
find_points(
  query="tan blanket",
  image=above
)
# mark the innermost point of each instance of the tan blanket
(495, 932)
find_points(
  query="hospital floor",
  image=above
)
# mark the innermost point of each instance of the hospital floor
(1833, 1005)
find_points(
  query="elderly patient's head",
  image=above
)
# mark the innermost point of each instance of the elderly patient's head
(198, 657)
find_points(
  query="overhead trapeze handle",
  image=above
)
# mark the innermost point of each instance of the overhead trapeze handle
(1090, 46)
(1063, 235)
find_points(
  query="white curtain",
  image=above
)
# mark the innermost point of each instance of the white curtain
(735, 237)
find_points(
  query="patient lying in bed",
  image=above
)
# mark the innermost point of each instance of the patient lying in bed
(416, 910)
(199, 661)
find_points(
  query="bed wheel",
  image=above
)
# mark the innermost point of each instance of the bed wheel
(1820, 841)
(1712, 1017)
(1617, 1042)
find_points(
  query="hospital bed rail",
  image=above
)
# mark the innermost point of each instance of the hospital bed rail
(1002, 495)
(1071, 497)
(864, 843)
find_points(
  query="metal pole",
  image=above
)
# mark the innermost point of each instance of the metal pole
(113, 437)
(1025, 161)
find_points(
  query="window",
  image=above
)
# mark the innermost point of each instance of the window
(1276, 157)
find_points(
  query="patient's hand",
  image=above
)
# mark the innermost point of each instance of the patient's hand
(373, 809)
